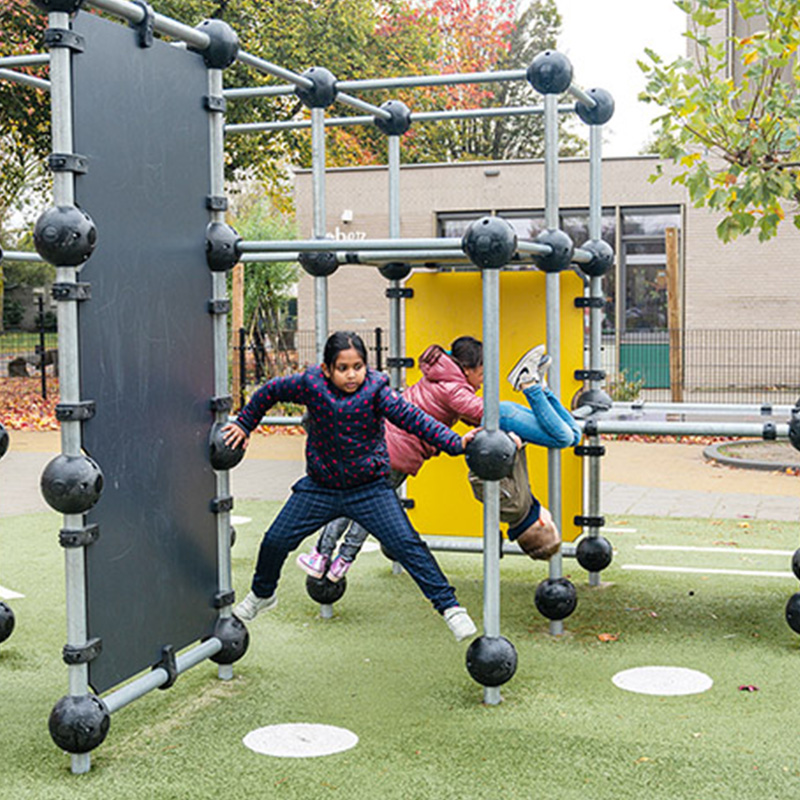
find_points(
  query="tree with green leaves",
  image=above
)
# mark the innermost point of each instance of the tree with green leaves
(730, 114)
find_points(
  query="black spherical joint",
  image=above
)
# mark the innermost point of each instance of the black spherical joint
(490, 455)
(71, 484)
(602, 258)
(64, 6)
(3, 440)
(796, 564)
(555, 598)
(235, 639)
(561, 250)
(400, 121)
(64, 236)
(323, 591)
(223, 45)
(6, 622)
(222, 247)
(594, 553)
(793, 612)
(79, 723)
(322, 93)
(221, 455)
(395, 271)
(794, 428)
(320, 264)
(491, 660)
(602, 110)
(550, 72)
(596, 399)
(490, 242)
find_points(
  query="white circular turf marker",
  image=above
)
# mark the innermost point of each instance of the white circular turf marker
(300, 740)
(240, 520)
(663, 680)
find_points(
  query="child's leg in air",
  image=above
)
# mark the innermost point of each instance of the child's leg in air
(308, 508)
(317, 561)
(351, 545)
(378, 509)
(540, 424)
(555, 404)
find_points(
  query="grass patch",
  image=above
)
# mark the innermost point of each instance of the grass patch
(386, 668)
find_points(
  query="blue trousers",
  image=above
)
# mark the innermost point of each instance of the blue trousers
(376, 507)
(546, 422)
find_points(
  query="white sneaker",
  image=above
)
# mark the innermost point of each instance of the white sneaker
(459, 622)
(252, 605)
(526, 370)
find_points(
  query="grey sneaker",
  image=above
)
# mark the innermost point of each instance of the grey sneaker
(252, 605)
(544, 365)
(526, 370)
(459, 622)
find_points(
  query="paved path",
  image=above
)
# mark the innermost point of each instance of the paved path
(665, 480)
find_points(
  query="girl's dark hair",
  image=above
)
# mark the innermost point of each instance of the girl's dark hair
(342, 340)
(467, 352)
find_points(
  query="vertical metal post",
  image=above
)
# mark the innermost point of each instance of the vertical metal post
(318, 224)
(553, 317)
(216, 125)
(595, 322)
(395, 308)
(491, 501)
(69, 380)
(42, 347)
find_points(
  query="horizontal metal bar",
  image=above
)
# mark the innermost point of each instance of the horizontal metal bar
(258, 91)
(369, 259)
(25, 61)
(282, 421)
(586, 99)
(21, 77)
(534, 247)
(362, 105)
(474, 544)
(135, 13)
(581, 256)
(434, 80)
(331, 245)
(19, 255)
(764, 409)
(288, 125)
(666, 428)
(157, 677)
(273, 69)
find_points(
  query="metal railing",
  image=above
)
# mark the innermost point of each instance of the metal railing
(26, 354)
(710, 366)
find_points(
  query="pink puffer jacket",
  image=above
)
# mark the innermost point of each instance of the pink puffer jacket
(444, 393)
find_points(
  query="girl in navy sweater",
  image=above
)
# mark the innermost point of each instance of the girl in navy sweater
(348, 465)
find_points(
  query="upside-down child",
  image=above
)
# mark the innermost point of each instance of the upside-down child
(447, 391)
(347, 467)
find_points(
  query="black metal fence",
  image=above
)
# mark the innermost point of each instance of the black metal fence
(708, 366)
(25, 354)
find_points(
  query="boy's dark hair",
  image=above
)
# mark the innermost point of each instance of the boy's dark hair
(467, 352)
(342, 340)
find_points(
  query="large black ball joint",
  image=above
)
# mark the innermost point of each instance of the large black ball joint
(71, 484)
(64, 236)
(491, 660)
(561, 250)
(223, 247)
(223, 44)
(602, 110)
(490, 242)
(594, 553)
(556, 598)
(550, 73)
(221, 455)
(490, 455)
(235, 639)
(79, 723)
(325, 592)
(322, 93)
(602, 258)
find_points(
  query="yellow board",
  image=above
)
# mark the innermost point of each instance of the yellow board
(447, 305)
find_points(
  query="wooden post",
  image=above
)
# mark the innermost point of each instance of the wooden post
(237, 321)
(674, 321)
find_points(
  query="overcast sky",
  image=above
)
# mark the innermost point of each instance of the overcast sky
(603, 39)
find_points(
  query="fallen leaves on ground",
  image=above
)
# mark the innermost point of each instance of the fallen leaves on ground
(608, 637)
(22, 407)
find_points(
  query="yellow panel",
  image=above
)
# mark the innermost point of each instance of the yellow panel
(447, 305)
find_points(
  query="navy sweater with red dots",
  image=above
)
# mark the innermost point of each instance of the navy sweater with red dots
(346, 446)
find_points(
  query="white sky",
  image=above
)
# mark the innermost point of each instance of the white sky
(603, 39)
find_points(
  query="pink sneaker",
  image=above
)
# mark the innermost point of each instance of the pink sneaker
(313, 563)
(338, 569)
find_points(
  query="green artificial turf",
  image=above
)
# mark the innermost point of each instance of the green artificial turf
(387, 668)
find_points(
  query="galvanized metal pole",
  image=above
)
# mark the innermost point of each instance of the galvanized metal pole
(395, 308)
(553, 317)
(64, 194)
(595, 325)
(491, 501)
(319, 224)
(216, 127)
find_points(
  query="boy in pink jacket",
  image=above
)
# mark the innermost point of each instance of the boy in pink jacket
(447, 392)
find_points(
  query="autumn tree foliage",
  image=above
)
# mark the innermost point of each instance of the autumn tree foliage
(730, 113)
